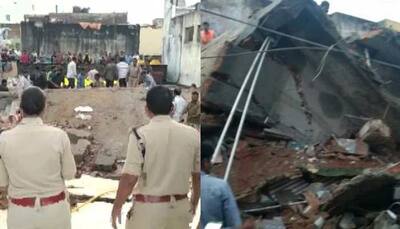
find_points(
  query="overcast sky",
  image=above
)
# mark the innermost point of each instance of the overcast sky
(373, 10)
(139, 12)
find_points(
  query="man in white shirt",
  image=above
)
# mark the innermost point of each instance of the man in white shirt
(71, 72)
(91, 74)
(123, 70)
(148, 80)
(179, 105)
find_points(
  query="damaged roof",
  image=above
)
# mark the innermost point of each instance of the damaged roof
(307, 108)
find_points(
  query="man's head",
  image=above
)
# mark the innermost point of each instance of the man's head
(159, 101)
(325, 6)
(206, 155)
(206, 26)
(74, 58)
(97, 76)
(134, 61)
(195, 96)
(33, 101)
(122, 59)
(177, 91)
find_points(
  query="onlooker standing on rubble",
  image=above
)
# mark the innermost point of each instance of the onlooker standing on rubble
(81, 80)
(123, 70)
(3, 85)
(87, 59)
(24, 59)
(180, 104)
(35, 171)
(148, 80)
(91, 74)
(206, 34)
(56, 78)
(53, 57)
(4, 60)
(134, 73)
(147, 67)
(38, 77)
(161, 157)
(59, 58)
(110, 73)
(193, 111)
(71, 73)
(97, 82)
(217, 201)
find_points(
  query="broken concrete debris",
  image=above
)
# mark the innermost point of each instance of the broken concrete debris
(79, 149)
(106, 159)
(315, 151)
(76, 134)
(83, 116)
(83, 109)
(105, 162)
(82, 112)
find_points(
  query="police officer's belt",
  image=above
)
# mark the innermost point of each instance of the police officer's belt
(158, 199)
(30, 201)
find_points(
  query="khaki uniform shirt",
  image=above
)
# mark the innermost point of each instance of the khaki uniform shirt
(193, 116)
(134, 72)
(172, 154)
(35, 159)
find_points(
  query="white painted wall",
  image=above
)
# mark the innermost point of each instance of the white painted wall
(183, 58)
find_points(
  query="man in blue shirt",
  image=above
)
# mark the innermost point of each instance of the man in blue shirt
(218, 204)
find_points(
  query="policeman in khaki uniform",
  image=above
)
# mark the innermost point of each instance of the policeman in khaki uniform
(35, 161)
(161, 158)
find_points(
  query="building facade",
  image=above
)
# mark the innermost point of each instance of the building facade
(181, 45)
(80, 32)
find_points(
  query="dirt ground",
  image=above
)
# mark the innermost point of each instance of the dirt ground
(115, 112)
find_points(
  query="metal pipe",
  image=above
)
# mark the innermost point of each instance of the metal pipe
(274, 207)
(270, 50)
(235, 104)
(244, 113)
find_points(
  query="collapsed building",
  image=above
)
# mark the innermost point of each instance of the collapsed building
(81, 31)
(325, 84)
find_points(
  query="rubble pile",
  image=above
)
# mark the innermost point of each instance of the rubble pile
(312, 187)
(322, 130)
(91, 156)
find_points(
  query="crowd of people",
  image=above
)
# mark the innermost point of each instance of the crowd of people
(121, 70)
(60, 58)
(115, 71)
(6, 57)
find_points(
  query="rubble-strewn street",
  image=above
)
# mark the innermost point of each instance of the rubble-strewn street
(320, 142)
(98, 144)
